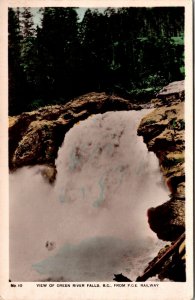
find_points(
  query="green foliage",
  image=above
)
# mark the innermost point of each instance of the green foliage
(177, 40)
(35, 104)
(130, 51)
(181, 125)
(171, 162)
(182, 70)
(26, 23)
(144, 94)
(177, 124)
(173, 124)
(58, 46)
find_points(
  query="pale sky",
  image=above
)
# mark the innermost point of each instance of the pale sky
(81, 11)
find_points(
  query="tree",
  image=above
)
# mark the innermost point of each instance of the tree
(27, 24)
(28, 51)
(123, 50)
(57, 46)
(15, 74)
(95, 44)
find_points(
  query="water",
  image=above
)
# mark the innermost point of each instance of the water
(93, 222)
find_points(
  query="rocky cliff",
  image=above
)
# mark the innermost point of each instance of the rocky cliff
(35, 137)
(163, 132)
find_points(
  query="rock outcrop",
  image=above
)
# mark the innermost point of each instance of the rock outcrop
(35, 137)
(174, 90)
(163, 132)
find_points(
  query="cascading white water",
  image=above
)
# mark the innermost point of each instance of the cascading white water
(93, 222)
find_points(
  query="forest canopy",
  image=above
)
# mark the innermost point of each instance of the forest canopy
(131, 52)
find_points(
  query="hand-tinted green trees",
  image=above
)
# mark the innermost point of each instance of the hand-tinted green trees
(15, 73)
(131, 51)
(20, 60)
(57, 47)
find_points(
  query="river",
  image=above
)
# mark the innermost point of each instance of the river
(92, 223)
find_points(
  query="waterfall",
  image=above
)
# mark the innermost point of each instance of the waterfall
(92, 222)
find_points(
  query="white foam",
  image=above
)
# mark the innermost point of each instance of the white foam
(96, 214)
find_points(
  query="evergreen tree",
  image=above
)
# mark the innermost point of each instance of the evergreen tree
(15, 73)
(124, 50)
(95, 46)
(28, 51)
(27, 25)
(57, 43)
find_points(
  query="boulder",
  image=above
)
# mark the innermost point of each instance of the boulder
(168, 219)
(174, 89)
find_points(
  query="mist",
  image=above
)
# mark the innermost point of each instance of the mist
(92, 222)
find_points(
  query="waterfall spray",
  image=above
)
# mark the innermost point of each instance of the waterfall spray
(93, 222)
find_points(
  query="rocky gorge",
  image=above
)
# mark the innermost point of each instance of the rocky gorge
(35, 137)
(163, 131)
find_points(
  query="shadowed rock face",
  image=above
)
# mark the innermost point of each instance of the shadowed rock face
(35, 137)
(163, 132)
(168, 219)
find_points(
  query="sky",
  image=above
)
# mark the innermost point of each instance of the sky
(81, 12)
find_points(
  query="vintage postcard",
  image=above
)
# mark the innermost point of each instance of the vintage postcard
(96, 150)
